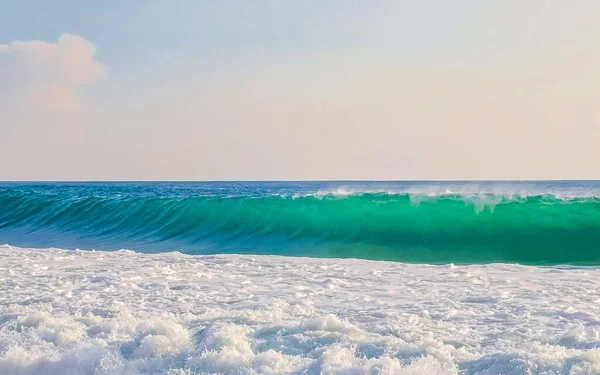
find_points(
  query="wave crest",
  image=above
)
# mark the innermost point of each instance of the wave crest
(432, 228)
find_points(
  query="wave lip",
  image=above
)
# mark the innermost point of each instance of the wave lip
(424, 227)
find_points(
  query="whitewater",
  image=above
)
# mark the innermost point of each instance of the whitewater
(93, 312)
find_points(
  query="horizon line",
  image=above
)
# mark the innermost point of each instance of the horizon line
(307, 180)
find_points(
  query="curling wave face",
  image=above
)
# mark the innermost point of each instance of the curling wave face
(427, 223)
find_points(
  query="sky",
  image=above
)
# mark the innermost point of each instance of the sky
(299, 90)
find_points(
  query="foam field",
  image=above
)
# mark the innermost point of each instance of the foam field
(83, 312)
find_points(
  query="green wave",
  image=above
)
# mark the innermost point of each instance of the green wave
(400, 227)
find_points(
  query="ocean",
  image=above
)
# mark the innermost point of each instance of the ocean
(541, 223)
(336, 277)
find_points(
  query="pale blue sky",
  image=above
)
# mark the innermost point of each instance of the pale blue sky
(151, 33)
(300, 89)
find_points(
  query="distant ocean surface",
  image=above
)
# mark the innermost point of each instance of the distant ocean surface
(536, 223)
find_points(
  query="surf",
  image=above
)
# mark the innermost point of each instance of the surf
(430, 228)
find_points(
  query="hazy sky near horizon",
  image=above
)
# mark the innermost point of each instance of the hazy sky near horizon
(238, 90)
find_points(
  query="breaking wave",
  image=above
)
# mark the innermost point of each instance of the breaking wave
(420, 228)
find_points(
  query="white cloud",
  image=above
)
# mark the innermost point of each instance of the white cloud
(41, 106)
(38, 76)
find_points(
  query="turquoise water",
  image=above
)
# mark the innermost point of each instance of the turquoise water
(554, 222)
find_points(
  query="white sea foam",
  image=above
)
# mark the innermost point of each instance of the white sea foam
(479, 194)
(83, 312)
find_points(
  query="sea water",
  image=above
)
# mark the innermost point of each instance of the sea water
(247, 278)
